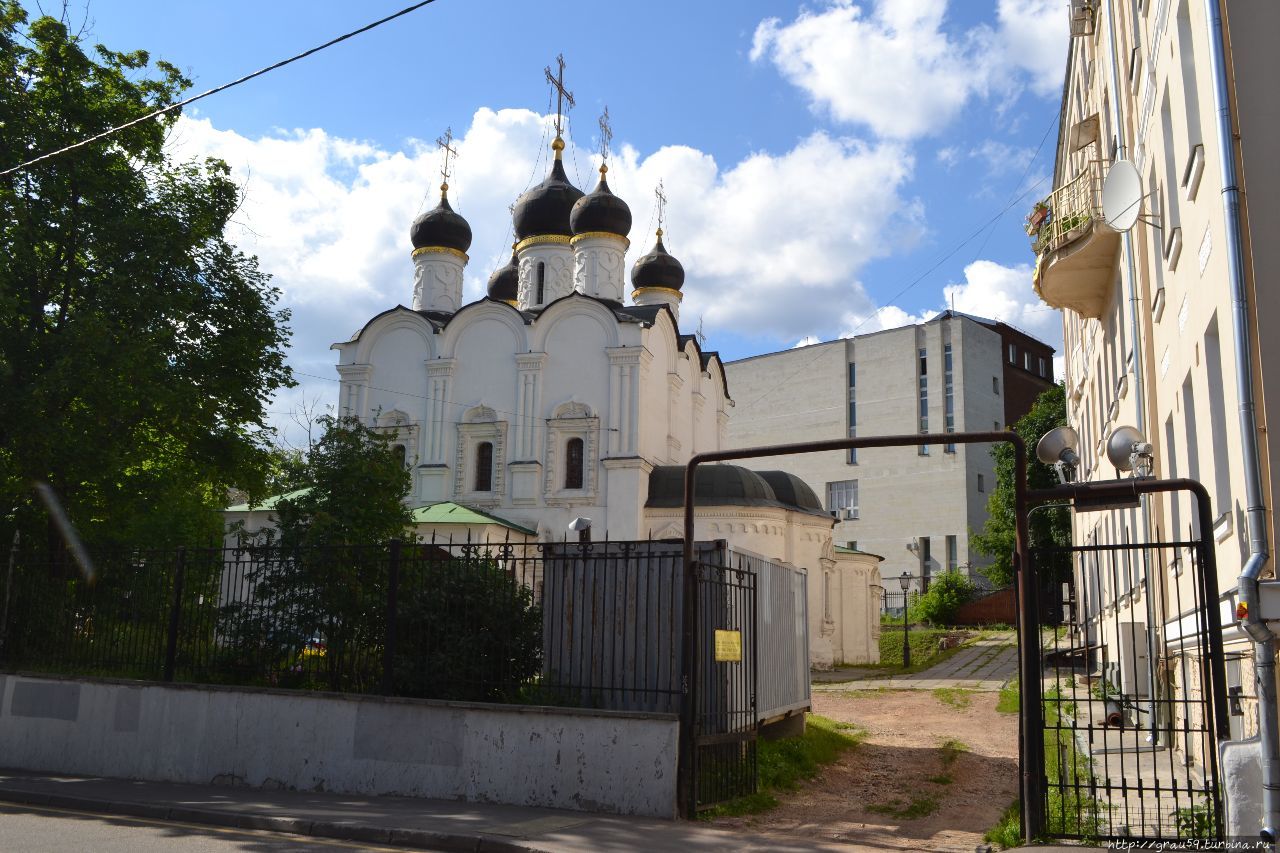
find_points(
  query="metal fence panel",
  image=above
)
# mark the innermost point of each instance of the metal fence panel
(782, 634)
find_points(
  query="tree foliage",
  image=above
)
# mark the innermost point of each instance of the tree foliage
(137, 347)
(1047, 526)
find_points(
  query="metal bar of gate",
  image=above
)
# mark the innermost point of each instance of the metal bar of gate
(1032, 782)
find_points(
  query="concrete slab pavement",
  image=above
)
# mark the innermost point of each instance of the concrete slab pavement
(986, 665)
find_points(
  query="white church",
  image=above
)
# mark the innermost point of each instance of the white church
(564, 393)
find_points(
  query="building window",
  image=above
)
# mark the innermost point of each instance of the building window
(1043, 373)
(953, 554)
(923, 415)
(573, 464)
(542, 282)
(1013, 354)
(995, 425)
(949, 395)
(853, 412)
(926, 561)
(982, 483)
(398, 452)
(842, 499)
(995, 385)
(852, 544)
(484, 466)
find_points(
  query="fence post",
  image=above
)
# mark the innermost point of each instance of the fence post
(175, 614)
(393, 591)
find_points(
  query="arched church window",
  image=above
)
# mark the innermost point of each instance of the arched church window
(573, 464)
(398, 452)
(542, 282)
(484, 466)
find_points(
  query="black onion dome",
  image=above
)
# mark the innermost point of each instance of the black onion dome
(441, 226)
(504, 284)
(658, 269)
(601, 210)
(545, 208)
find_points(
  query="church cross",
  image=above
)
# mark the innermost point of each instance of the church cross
(563, 95)
(445, 142)
(662, 206)
(606, 134)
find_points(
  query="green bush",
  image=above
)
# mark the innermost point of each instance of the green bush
(946, 593)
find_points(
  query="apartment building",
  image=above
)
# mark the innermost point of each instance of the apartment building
(1151, 336)
(913, 506)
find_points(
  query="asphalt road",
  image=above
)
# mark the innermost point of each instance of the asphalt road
(30, 829)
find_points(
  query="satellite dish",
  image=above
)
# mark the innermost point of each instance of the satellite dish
(1122, 196)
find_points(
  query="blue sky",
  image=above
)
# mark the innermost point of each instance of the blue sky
(819, 158)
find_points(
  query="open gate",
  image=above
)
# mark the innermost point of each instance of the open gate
(1133, 681)
(724, 759)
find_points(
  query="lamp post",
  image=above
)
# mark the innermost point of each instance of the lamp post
(905, 580)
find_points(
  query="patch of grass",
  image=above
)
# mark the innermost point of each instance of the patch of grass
(956, 697)
(940, 779)
(783, 764)
(1010, 700)
(951, 750)
(917, 808)
(1008, 831)
(926, 649)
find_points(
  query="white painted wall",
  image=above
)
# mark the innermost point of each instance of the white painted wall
(600, 761)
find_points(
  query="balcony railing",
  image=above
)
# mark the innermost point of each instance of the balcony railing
(1075, 249)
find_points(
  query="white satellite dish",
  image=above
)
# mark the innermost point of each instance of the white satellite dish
(1122, 196)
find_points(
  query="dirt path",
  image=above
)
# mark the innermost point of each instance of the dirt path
(901, 789)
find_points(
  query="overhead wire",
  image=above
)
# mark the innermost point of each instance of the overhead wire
(215, 90)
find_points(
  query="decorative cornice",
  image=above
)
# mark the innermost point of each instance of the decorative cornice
(588, 235)
(540, 240)
(442, 250)
(355, 372)
(670, 291)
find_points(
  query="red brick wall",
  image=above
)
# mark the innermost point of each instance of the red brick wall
(999, 606)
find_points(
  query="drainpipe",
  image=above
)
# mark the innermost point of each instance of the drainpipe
(1264, 642)
(1139, 390)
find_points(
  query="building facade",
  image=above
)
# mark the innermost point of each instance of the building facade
(1149, 314)
(913, 506)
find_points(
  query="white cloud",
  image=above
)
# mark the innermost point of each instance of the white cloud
(900, 71)
(1003, 293)
(772, 245)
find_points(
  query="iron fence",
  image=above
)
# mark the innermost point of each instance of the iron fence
(584, 624)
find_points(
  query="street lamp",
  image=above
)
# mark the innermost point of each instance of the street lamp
(905, 580)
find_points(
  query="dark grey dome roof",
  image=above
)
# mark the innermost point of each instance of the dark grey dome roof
(545, 209)
(504, 283)
(790, 489)
(441, 226)
(658, 269)
(724, 485)
(601, 210)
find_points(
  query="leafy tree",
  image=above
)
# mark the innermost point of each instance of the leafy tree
(137, 347)
(1048, 527)
(939, 603)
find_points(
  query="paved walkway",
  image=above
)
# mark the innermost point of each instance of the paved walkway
(396, 821)
(986, 665)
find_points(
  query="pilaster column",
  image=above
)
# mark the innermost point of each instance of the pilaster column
(355, 385)
(528, 404)
(438, 415)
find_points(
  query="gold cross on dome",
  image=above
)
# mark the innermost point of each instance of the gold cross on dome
(662, 206)
(606, 134)
(563, 95)
(445, 142)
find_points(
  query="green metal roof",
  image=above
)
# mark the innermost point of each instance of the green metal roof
(840, 549)
(448, 512)
(267, 503)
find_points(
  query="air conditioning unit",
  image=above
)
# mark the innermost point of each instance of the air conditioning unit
(1084, 17)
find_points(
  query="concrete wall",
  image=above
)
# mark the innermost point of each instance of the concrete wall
(598, 761)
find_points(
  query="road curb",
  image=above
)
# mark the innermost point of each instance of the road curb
(342, 831)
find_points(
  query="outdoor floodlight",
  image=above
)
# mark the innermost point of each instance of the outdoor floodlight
(1129, 450)
(1058, 448)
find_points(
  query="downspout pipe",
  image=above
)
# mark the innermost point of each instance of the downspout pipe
(1139, 387)
(1255, 514)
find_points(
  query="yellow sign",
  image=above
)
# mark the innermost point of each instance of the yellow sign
(729, 646)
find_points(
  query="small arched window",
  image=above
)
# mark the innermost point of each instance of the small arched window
(542, 282)
(573, 464)
(398, 452)
(484, 466)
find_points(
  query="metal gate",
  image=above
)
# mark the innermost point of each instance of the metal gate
(1133, 689)
(725, 724)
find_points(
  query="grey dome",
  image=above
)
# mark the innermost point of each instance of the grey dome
(601, 210)
(441, 226)
(544, 209)
(729, 485)
(658, 269)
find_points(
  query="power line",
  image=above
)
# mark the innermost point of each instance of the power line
(215, 90)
